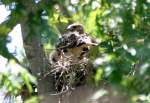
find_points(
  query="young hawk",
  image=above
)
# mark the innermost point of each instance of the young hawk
(75, 43)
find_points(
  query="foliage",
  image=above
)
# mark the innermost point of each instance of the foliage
(121, 26)
(14, 79)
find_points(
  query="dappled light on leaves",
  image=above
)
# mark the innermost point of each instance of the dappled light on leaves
(121, 29)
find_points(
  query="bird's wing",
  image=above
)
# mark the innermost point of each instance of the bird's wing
(68, 40)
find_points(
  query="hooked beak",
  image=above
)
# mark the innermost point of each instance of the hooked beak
(92, 44)
(89, 42)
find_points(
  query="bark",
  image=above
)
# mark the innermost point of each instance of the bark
(36, 58)
(35, 53)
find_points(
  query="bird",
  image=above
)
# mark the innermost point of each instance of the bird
(75, 36)
(78, 30)
(75, 43)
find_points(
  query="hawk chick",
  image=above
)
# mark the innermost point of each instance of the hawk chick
(75, 43)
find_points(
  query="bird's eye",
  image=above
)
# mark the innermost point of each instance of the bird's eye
(54, 60)
(85, 49)
(74, 27)
(65, 50)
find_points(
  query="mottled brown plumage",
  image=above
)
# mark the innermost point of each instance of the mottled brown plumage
(69, 60)
(75, 43)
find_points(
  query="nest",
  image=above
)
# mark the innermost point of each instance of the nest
(69, 75)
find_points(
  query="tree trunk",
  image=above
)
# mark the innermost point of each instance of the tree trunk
(36, 58)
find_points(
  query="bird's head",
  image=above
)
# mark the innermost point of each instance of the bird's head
(75, 27)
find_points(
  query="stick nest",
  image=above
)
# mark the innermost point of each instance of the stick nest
(68, 75)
